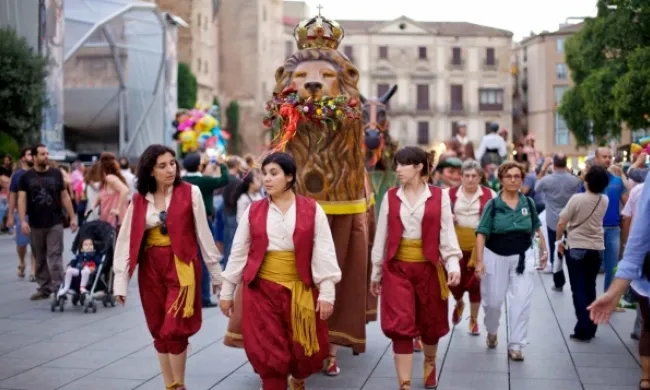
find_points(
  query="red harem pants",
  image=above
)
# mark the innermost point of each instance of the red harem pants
(468, 282)
(159, 288)
(268, 339)
(412, 305)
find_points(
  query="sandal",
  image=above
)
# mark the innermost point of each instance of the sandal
(516, 356)
(21, 271)
(405, 385)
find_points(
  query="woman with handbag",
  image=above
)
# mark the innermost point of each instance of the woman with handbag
(582, 219)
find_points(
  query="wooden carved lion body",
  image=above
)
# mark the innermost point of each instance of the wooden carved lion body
(330, 158)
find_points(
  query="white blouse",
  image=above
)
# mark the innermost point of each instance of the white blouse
(411, 217)
(324, 266)
(244, 201)
(211, 255)
(467, 209)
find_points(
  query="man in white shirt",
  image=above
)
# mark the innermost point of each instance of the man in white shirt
(125, 170)
(493, 148)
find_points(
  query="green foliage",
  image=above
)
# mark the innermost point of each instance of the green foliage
(9, 146)
(22, 88)
(215, 101)
(187, 87)
(232, 123)
(609, 60)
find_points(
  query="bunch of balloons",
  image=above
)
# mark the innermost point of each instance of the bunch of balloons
(199, 129)
(642, 146)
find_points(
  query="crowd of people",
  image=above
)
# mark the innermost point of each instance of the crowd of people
(482, 227)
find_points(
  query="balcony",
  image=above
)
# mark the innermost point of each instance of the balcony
(493, 67)
(490, 107)
(456, 66)
(410, 110)
(456, 110)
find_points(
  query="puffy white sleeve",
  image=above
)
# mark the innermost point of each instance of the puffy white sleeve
(121, 255)
(324, 265)
(211, 255)
(232, 275)
(379, 245)
(449, 247)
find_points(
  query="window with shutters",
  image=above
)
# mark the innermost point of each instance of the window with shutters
(382, 88)
(383, 52)
(489, 57)
(422, 52)
(490, 99)
(347, 50)
(423, 133)
(456, 58)
(560, 71)
(456, 97)
(561, 130)
(422, 102)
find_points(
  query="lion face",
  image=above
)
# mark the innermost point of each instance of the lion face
(315, 79)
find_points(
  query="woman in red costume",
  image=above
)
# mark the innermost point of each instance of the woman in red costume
(164, 239)
(284, 253)
(415, 239)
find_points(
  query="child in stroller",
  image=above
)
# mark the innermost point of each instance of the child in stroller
(84, 264)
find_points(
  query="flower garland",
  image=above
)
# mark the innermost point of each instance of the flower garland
(285, 111)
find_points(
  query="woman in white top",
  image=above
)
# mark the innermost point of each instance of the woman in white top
(248, 191)
(582, 219)
(415, 239)
(284, 254)
(163, 238)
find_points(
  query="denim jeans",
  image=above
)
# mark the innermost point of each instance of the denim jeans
(583, 266)
(229, 229)
(612, 249)
(558, 277)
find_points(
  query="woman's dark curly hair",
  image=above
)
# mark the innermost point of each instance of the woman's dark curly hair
(146, 181)
(245, 184)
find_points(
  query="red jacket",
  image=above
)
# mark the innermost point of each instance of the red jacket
(303, 238)
(180, 225)
(430, 225)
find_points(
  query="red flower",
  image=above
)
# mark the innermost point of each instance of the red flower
(353, 102)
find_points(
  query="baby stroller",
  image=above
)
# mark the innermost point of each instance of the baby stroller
(101, 281)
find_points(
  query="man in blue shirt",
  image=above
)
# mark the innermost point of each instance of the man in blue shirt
(617, 194)
(22, 240)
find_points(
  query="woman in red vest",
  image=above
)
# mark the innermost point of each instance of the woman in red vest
(284, 254)
(467, 203)
(164, 238)
(415, 239)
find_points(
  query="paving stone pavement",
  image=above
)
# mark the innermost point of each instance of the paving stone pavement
(111, 349)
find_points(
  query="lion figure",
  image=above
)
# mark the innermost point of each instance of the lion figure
(331, 158)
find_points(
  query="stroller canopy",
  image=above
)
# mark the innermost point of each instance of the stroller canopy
(102, 234)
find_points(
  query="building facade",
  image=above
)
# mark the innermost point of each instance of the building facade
(198, 43)
(446, 73)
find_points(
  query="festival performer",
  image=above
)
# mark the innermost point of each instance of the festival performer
(493, 148)
(449, 168)
(460, 144)
(289, 270)
(164, 238)
(415, 239)
(380, 149)
(316, 115)
(467, 204)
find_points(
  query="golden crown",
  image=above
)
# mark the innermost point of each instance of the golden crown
(318, 32)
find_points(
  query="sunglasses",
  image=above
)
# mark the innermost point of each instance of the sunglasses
(163, 222)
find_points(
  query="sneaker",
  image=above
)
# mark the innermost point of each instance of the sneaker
(331, 369)
(458, 312)
(38, 296)
(473, 327)
(491, 341)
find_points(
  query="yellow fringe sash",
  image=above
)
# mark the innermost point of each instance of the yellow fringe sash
(184, 271)
(280, 267)
(467, 241)
(410, 251)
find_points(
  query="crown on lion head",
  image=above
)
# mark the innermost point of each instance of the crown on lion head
(318, 32)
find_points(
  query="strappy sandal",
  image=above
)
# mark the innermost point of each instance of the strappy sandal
(647, 382)
(516, 356)
(21, 271)
(405, 385)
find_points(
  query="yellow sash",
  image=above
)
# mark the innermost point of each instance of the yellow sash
(184, 271)
(467, 241)
(280, 267)
(410, 251)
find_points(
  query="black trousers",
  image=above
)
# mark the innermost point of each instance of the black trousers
(583, 265)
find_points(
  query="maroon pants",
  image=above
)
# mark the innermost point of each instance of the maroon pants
(412, 305)
(159, 288)
(268, 338)
(468, 282)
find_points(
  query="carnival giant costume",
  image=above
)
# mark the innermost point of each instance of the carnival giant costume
(315, 116)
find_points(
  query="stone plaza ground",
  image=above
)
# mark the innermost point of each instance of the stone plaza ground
(111, 349)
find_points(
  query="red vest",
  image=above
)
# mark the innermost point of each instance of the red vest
(485, 197)
(303, 237)
(430, 225)
(180, 225)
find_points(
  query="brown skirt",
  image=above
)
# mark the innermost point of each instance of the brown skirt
(371, 300)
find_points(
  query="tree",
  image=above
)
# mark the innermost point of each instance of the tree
(187, 86)
(232, 121)
(609, 61)
(22, 88)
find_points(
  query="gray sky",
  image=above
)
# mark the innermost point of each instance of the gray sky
(518, 16)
